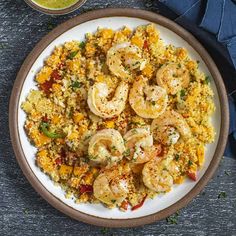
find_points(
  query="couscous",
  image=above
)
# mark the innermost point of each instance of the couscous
(120, 117)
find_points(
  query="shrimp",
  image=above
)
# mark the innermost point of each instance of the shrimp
(169, 127)
(124, 57)
(139, 145)
(106, 147)
(173, 77)
(148, 101)
(156, 173)
(111, 186)
(101, 106)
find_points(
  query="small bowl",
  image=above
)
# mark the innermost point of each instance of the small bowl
(59, 11)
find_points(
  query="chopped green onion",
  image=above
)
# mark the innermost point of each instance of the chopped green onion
(82, 45)
(207, 79)
(44, 126)
(72, 54)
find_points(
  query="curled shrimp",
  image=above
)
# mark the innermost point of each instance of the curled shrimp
(173, 77)
(106, 147)
(139, 145)
(148, 101)
(99, 103)
(124, 57)
(111, 186)
(169, 127)
(156, 173)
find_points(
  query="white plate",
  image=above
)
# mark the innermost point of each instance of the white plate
(151, 206)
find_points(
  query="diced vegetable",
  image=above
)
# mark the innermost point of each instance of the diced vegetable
(44, 126)
(124, 205)
(72, 54)
(192, 175)
(86, 188)
(139, 205)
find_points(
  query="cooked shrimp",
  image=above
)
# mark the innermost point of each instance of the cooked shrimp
(106, 147)
(123, 58)
(111, 186)
(139, 145)
(169, 127)
(148, 101)
(156, 175)
(101, 106)
(173, 77)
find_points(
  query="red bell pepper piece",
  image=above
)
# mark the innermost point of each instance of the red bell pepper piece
(55, 75)
(58, 161)
(46, 86)
(86, 188)
(145, 45)
(192, 175)
(138, 205)
(124, 205)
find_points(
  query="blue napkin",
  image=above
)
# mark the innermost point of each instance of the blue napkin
(213, 22)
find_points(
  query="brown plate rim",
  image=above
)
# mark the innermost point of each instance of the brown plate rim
(14, 102)
(63, 11)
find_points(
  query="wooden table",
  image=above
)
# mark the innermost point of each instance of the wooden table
(23, 211)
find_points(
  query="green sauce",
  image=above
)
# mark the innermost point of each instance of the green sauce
(55, 4)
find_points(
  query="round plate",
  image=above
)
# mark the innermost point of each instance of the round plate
(152, 210)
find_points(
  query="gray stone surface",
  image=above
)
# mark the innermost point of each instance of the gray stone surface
(23, 211)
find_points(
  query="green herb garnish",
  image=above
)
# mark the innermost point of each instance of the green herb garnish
(104, 230)
(207, 79)
(190, 162)
(113, 200)
(44, 127)
(72, 54)
(82, 45)
(177, 156)
(26, 211)
(126, 153)
(173, 219)
(222, 195)
(227, 173)
(76, 84)
(182, 93)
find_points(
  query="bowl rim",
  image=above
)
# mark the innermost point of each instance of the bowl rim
(50, 11)
(14, 103)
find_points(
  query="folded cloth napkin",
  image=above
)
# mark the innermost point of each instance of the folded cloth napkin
(213, 22)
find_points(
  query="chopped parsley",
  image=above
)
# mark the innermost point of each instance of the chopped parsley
(72, 54)
(173, 219)
(26, 211)
(113, 148)
(153, 103)
(113, 200)
(179, 66)
(104, 230)
(2, 45)
(177, 156)
(207, 79)
(82, 45)
(126, 153)
(182, 93)
(190, 162)
(222, 195)
(227, 173)
(76, 84)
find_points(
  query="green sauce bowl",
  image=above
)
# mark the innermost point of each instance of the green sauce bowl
(56, 7)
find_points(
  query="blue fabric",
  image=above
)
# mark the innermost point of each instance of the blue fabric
(211, 21)
(213, 8)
